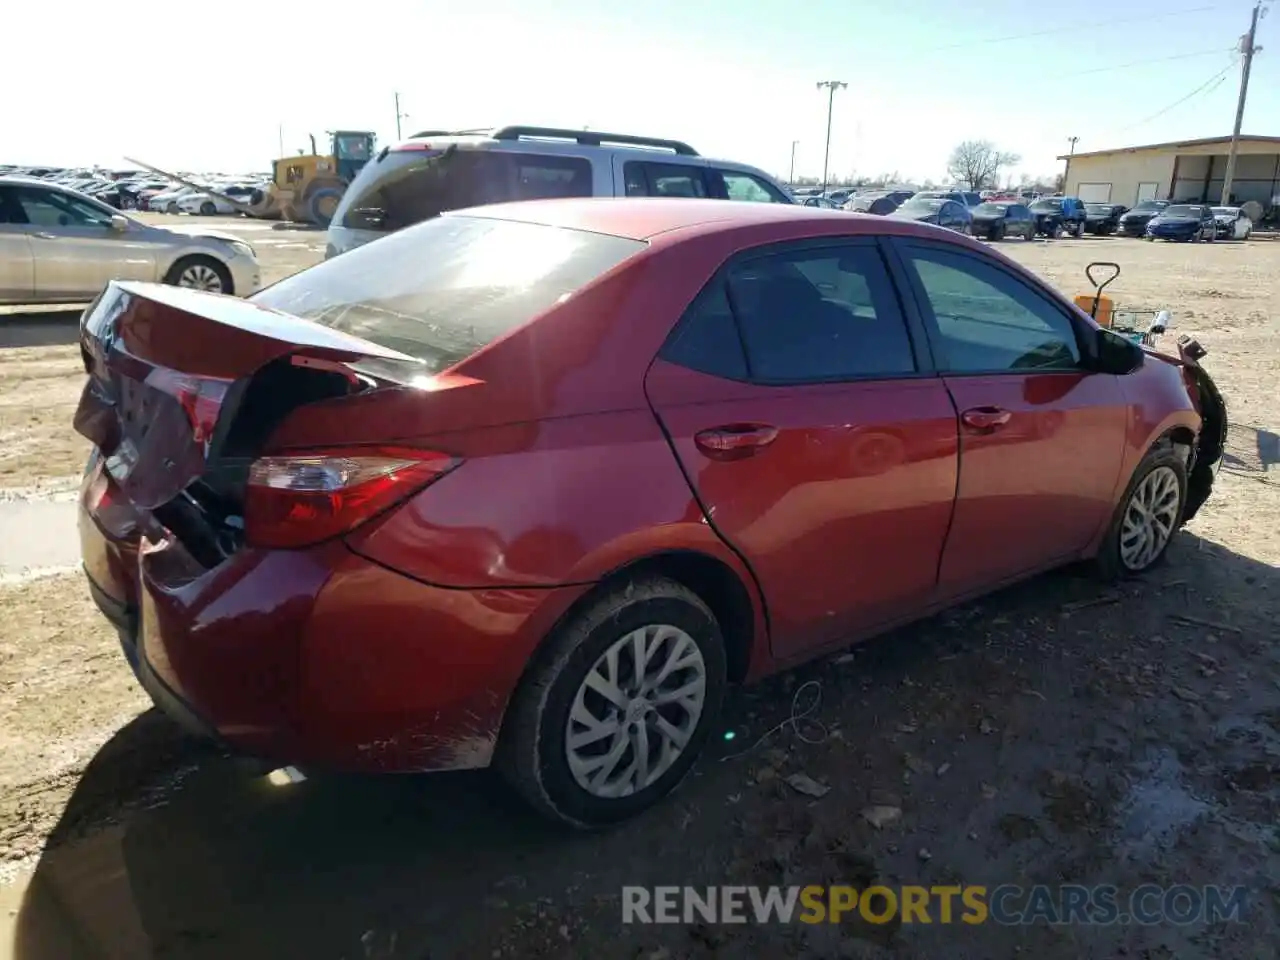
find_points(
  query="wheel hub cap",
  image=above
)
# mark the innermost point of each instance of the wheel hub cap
(1149, 518)
(201, 277)
(635, 711)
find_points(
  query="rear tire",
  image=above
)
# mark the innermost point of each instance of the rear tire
(1157, 491)
(593, 650)
(207, 209)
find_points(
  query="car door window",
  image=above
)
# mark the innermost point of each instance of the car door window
(49, 208)
(644, 179)
(10, 210)
(820, 314)
(989, 321)
(539, 177)
(744, 186)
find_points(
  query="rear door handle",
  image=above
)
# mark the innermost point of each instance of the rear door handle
(734, 441)
(986, 418)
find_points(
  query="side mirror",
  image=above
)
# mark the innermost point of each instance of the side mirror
(119, 224)
(1116, 354)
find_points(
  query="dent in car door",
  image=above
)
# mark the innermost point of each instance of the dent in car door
(1041, 438)
(815, 448)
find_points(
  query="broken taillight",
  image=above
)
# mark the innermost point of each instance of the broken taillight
(201, 398)
(307, 497)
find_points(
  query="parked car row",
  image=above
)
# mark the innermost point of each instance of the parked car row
(137, 190)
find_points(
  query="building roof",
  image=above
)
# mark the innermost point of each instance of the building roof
(1206, 142)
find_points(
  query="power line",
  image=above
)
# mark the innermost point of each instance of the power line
(1211, 84)
(1075, 28)
(1142, 63)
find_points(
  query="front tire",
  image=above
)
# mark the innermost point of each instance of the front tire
(1149, 514)
(200, 273)
(207, 209)
(615, 709)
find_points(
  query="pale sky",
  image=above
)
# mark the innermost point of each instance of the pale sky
(206, 87)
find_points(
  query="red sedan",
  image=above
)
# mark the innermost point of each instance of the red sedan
(530, 485)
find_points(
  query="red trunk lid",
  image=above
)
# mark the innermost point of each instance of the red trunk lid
(166, 365)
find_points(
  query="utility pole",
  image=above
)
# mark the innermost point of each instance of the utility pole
(399, 116)
(831, 86)
(1247, 49)
(280, 137)
(791, 181)
(1070, 153)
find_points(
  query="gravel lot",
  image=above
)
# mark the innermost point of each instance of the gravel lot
(1054, 733)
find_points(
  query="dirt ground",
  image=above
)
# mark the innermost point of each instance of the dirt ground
(1054, 733)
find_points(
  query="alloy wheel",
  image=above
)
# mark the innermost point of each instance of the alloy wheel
(200, 276)
(635, 711)
(1149, 519)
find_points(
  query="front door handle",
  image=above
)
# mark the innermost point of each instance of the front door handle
(734, 441)
(45, 236)
(986, 418)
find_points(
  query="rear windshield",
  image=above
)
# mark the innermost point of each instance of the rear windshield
(1098, 207)
(992, 209)
(409, 187)
(916, 204)
(446, 288)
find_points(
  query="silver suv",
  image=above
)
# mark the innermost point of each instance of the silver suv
(438, 170)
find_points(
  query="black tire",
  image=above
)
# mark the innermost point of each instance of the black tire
(1109, 563)
(531, 754)
(1079, 230)
(224, 275)
(207, 209)
(997, 232)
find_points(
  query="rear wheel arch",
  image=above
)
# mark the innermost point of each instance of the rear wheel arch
(714, 582)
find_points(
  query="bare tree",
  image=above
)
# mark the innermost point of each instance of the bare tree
(977, 163)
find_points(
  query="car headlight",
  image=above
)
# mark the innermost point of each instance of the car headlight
(242, 248)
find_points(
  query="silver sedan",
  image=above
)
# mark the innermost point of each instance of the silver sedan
(60, 246)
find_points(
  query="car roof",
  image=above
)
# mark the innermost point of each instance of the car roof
(644, 218)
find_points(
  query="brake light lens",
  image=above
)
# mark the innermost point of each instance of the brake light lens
(201, 399)
(306, 498)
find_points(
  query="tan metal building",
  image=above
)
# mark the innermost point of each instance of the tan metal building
(1183, 170)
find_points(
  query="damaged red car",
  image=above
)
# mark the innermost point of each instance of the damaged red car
(532, 485)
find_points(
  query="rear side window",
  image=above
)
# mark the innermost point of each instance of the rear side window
(707, 338)
(444, 289)
(646, 179)
(541, 177)
(814, 315)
